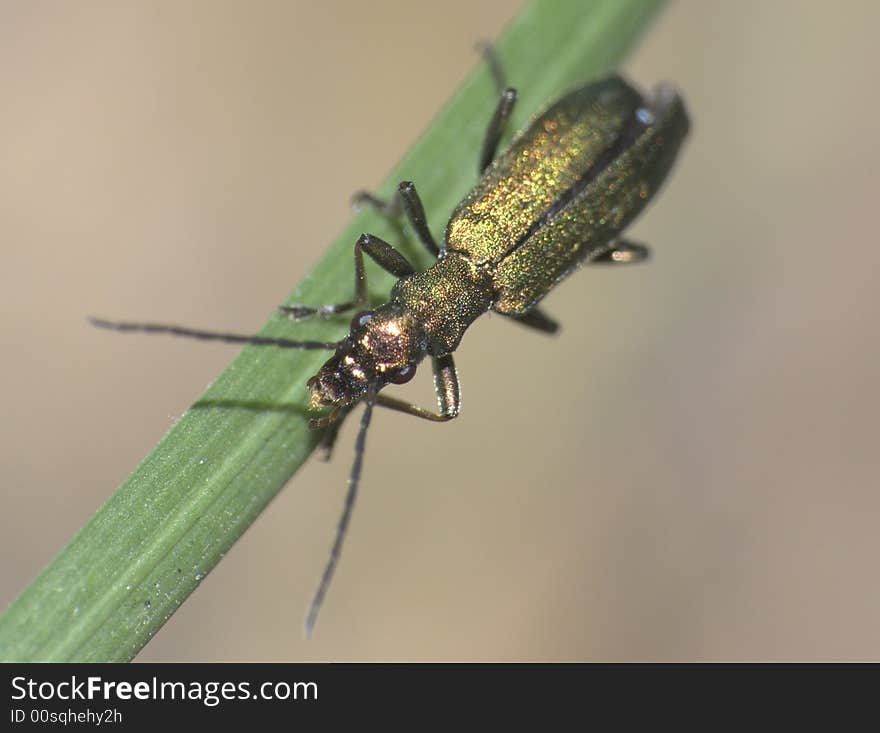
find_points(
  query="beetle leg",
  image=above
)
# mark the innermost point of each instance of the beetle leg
(406, 198)
(619, 252)
(328, 439)
(496, 127)
(446, 385)
(494, 63)
(622, 252)
(382, 253)
(326, 421)
(390, 208)
(297, 312)
(506, 101)
(537, 319)
(448, 394)
(415, 212)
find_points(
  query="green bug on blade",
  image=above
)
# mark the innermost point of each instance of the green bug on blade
(558, 198)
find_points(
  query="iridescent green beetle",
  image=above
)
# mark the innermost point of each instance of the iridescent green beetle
(558, 198)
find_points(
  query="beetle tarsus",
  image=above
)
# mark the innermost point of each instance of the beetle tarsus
(490, 56)
(390, 209)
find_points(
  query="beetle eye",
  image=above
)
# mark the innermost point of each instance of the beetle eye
(361, 319)
(403, 375)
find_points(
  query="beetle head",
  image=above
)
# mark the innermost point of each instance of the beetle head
(383, 347)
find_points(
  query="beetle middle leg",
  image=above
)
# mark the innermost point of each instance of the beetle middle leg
(538, 320)
(446, 387)
(382, 253)
(407, 199)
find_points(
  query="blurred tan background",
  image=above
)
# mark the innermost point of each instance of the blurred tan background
(689, 471)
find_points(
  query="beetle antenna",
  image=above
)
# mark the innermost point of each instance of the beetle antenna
(231, 338)
(342, 528)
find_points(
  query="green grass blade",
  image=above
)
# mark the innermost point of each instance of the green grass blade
(123, 575)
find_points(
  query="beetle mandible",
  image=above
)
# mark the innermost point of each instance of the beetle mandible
(558, 198)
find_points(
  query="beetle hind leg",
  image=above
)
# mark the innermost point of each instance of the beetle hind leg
(503, 110)
(622, 252)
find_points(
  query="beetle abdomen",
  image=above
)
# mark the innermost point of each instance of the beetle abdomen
(544, 161)
(591, 214)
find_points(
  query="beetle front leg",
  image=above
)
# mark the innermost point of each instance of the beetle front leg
(446, 387)
(382, 253)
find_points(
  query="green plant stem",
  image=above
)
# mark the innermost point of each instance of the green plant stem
(123, 575)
